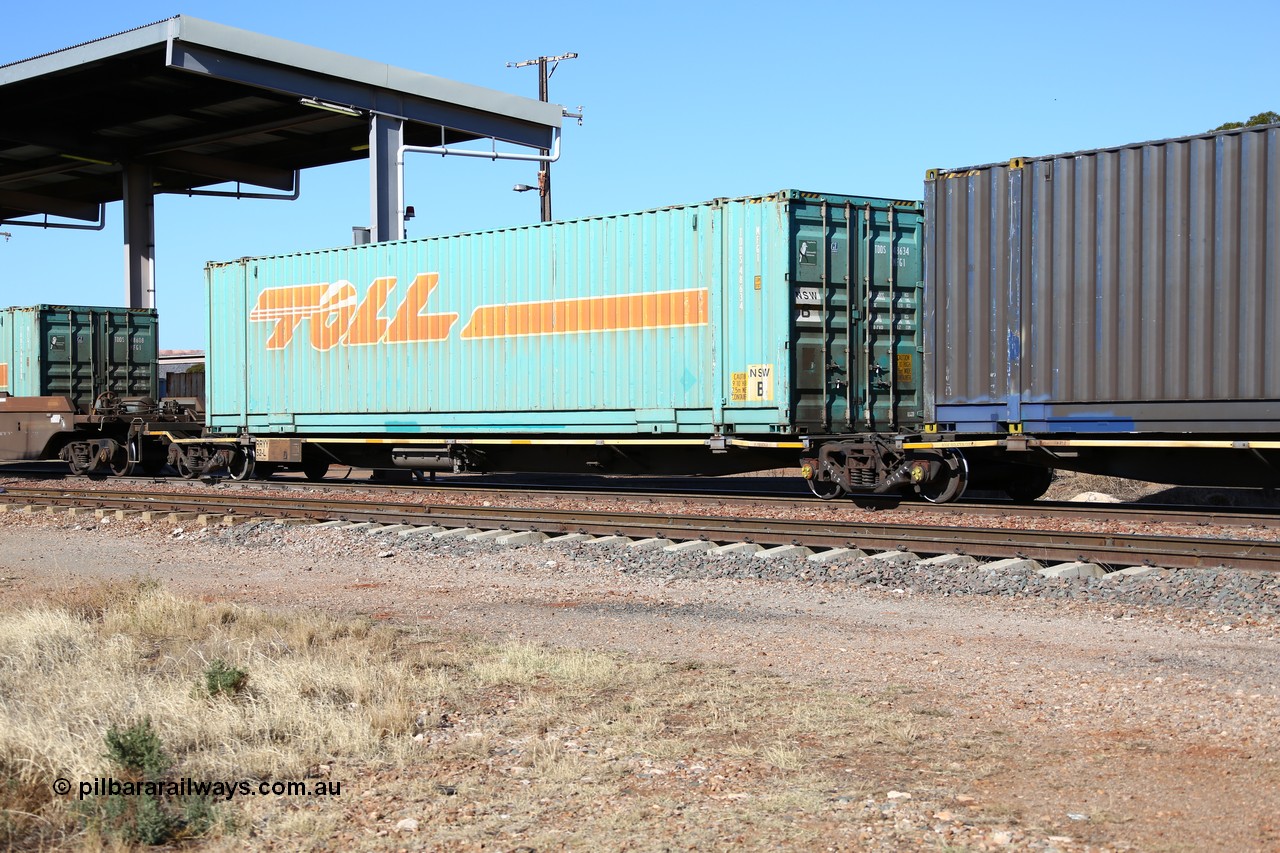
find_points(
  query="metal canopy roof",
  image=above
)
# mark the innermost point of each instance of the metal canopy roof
(197, 103)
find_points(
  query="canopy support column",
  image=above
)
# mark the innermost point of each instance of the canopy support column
(386, 178)
(139, 236)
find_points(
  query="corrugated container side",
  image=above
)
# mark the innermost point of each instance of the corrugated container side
(611, 318)
(6, 351)
(80, 352)
(1125, 289)
(678, 320)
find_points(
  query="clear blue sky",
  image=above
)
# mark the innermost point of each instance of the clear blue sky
(684, 102)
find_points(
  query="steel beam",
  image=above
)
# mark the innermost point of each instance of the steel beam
(485, 119)
(226, 170)
(39, 203)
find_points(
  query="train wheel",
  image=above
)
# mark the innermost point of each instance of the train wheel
(242, 464)
(315, 469)
(949, 483)
(1029, 485)
(184, 468)
(120, 463)
(827, 490)
(264, 470)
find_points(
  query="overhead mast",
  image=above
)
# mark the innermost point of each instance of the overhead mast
(544, 76)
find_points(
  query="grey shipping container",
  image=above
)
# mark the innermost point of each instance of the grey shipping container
(1133, 289)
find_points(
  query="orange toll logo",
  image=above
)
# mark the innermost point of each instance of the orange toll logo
(336, 314)
(663, 310)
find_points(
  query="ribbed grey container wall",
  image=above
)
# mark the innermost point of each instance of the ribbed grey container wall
(1123, 289)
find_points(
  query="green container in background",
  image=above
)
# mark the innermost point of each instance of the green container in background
(78, 352)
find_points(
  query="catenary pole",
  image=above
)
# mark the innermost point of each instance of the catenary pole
(546, 67)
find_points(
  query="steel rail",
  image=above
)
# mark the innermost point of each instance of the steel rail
(1133, 513)
(1106, 548)
(1138, 513)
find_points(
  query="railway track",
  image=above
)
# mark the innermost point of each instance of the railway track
(740, 492)
(1112, 549)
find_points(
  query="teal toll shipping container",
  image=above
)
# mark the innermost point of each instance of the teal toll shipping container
(65, 369)
(702, 338)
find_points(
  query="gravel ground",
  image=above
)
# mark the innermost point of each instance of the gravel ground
(1135, 713)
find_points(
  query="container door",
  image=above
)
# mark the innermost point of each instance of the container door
(88, 352)
(68, 356)
(856, 282)
(823, 315)
(228, 361)
(129, 338)
(895, 280)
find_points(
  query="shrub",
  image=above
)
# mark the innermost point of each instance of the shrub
(221, 679)
(138, 751)
(144, 817)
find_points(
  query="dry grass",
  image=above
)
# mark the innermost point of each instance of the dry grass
(1068, 484)
(482, 743)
